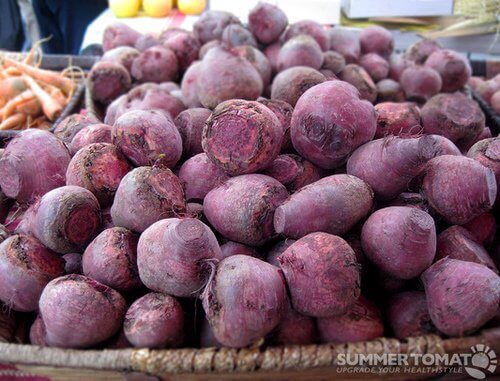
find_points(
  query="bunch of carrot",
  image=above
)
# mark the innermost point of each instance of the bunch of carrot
(30, 96)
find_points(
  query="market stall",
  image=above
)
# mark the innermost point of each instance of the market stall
(233, 197)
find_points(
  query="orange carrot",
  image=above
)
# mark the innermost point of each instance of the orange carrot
(9, 88)
(13, 122)
(46, 76)
(56, 94)
(51, 108)
(13, 104)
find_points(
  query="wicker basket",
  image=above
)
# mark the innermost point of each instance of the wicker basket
(311, 362)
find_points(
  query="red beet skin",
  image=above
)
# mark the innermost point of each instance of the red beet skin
(461, 296)
(248, 128)
(487, 152)
(322, 275)
(453, 68)
(295, 329)
(94, 133)
(400, 241)
(290, 84)
(267, 22)
(376, 39)
(98, 167)
(457, 242)
(234, 248)
(420, 83)
(363, 322)
(174, 256)
(199, 176)
(242, 209)
(397, 119)
(310, 28)
(283, 112)
(190, 124)
(111, 258)
(333, 204)
(65, 219)
(38, 334)
(244, 301)
(80, 312)
(145, 135)
(67, 128)
(408, 315)
(146, 195)
(154, 321)
(329, 122)
(26, 268)
(445, 175)
(33, 163)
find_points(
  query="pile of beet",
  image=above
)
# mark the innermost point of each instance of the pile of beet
(298, 184)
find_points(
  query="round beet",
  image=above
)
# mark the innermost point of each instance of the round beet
(283, 112)
(457, 242)
(156, 64)
(186, 48)
(144, 136)
(400, 241)
(242, 136)
(461, 296)
(295, 329)
(419, 51)
(399, 119)
(376, 39)
(333, 61)
(155, 321)
(397, 64)
(267, 22)
(329, 122)
(483, 228)
(26, 268)
(459, 188)
(302, 50)
(80, 312)
(272, 53)
(290, 84)
(190, 124)
(242, 209)
(66, 219)
(322, 275)
(211, 24)
(146, 195)
(98, 167)
(453, 68)
(33, 163)
(94, 133)
(107, 81)
(111, 258)
(375, 65)
(199, 176)
(487, 152)
(70, 126)
(119, 34)
(363, 322)
(420, 83)
(237, 35)
(224, 75)
(189, 85)
(408, 315)
(123, 55)
(454, 116)
(38, 334)
(388, 90)
(258, 60)
(277, 250)
(361, 80)
(244, 301)
(345, 42)
(310, 28)
(146, 41)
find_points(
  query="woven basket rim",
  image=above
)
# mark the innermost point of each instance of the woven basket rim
(228, 360)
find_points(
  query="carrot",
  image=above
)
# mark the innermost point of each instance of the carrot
(51, 108)
(56, 94)
(46, 76)
(9, 88)
(13, 122)
(11, 106)
(31, 54)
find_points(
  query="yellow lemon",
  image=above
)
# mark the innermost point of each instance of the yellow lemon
(191, 7)
(157, 8)
(125, 8)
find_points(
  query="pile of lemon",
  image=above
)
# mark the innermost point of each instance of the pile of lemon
(156, 8)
